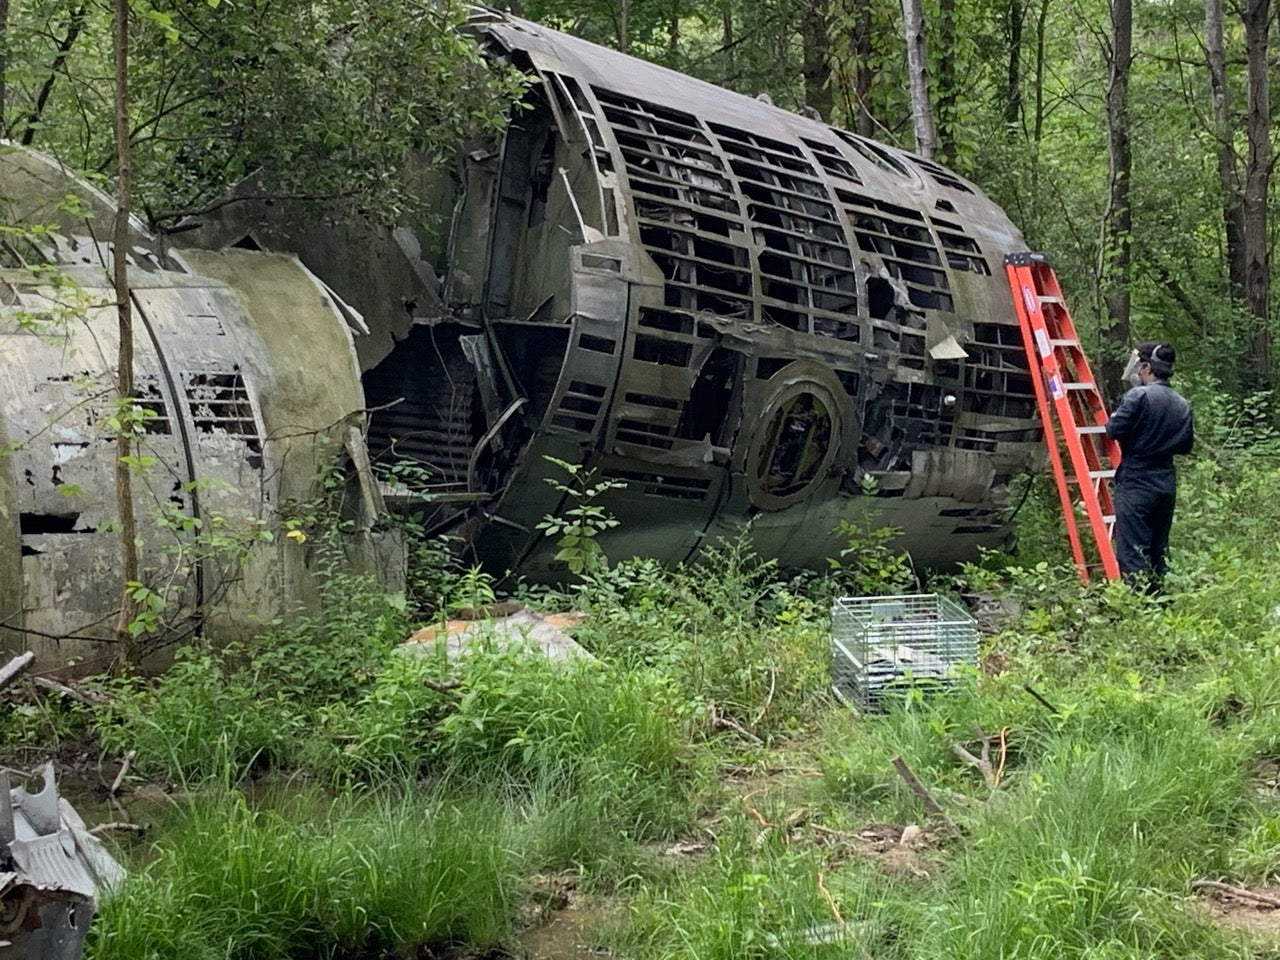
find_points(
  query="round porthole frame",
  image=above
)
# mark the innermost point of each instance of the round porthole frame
(783, 405)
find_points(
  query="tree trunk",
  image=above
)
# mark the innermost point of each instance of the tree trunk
(1224, 133)
(948, 94)
(817, 57)
(673, 32)
(624, 15)
(864, 122)
(1257, 175)
(1116, 271)
(1017, 13)
(4, 60)
(1037, 127)
(124, 367)
(918, 73)
(726, 36)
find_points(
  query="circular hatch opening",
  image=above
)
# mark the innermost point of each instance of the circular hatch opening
(797, 442)
(794, 446)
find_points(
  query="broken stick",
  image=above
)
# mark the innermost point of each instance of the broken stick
(728, 723)
(124, 770)
(982, 763)
(119, 825)
(920, 791)
(63, 690)
(441, 686)
(1042, 701)
(1236, 892)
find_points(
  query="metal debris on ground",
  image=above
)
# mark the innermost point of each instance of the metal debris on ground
(545, 632)
(52, 870)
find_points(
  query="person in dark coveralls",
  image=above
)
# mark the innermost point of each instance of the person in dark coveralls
(1152, 424)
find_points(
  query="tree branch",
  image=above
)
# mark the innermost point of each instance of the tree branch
(921, 791)
(1235, 892)
(159, 218)
(53, 686)
(1175, 290)
(74, 27)
(14, 668)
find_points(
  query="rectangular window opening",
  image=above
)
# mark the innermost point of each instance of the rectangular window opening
(220, 403)
(670, 353)
(586, 389)
(597, 344)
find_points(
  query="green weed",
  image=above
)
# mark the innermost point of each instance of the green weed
(729, 637)
(511, 714)
(204, 720)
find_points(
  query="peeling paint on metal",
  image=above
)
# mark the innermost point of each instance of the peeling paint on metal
(244, 365)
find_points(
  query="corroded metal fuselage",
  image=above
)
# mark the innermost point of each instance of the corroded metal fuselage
(742, 313)
(245, 383)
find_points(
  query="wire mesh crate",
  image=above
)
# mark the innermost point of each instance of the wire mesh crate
(880, 645)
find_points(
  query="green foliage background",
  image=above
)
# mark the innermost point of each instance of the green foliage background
(345, 100)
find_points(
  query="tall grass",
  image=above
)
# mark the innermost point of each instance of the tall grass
(1105, 813)
(312, 877)
(592, 729)
(202, 719)
(1093, 844)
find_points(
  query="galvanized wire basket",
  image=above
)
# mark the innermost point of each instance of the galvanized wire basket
(883, 645)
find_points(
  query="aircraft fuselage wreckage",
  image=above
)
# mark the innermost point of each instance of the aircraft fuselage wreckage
(739, 312)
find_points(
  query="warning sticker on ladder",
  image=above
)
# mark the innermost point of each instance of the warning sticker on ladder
(1055, 386)
(1042, 341)
(1029, 299)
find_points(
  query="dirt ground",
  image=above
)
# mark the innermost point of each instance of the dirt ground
(1244, 913)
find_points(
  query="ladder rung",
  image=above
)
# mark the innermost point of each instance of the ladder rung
(1044, 299)
(1080, 385)
(1101, 474)
(1091, 429)
(1064, 343)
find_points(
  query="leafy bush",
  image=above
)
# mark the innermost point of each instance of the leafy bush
(869, 565)
(338, 650)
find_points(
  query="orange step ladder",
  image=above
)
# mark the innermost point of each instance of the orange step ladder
(1071, 407)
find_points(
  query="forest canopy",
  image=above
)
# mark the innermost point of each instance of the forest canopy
(1132, 144)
